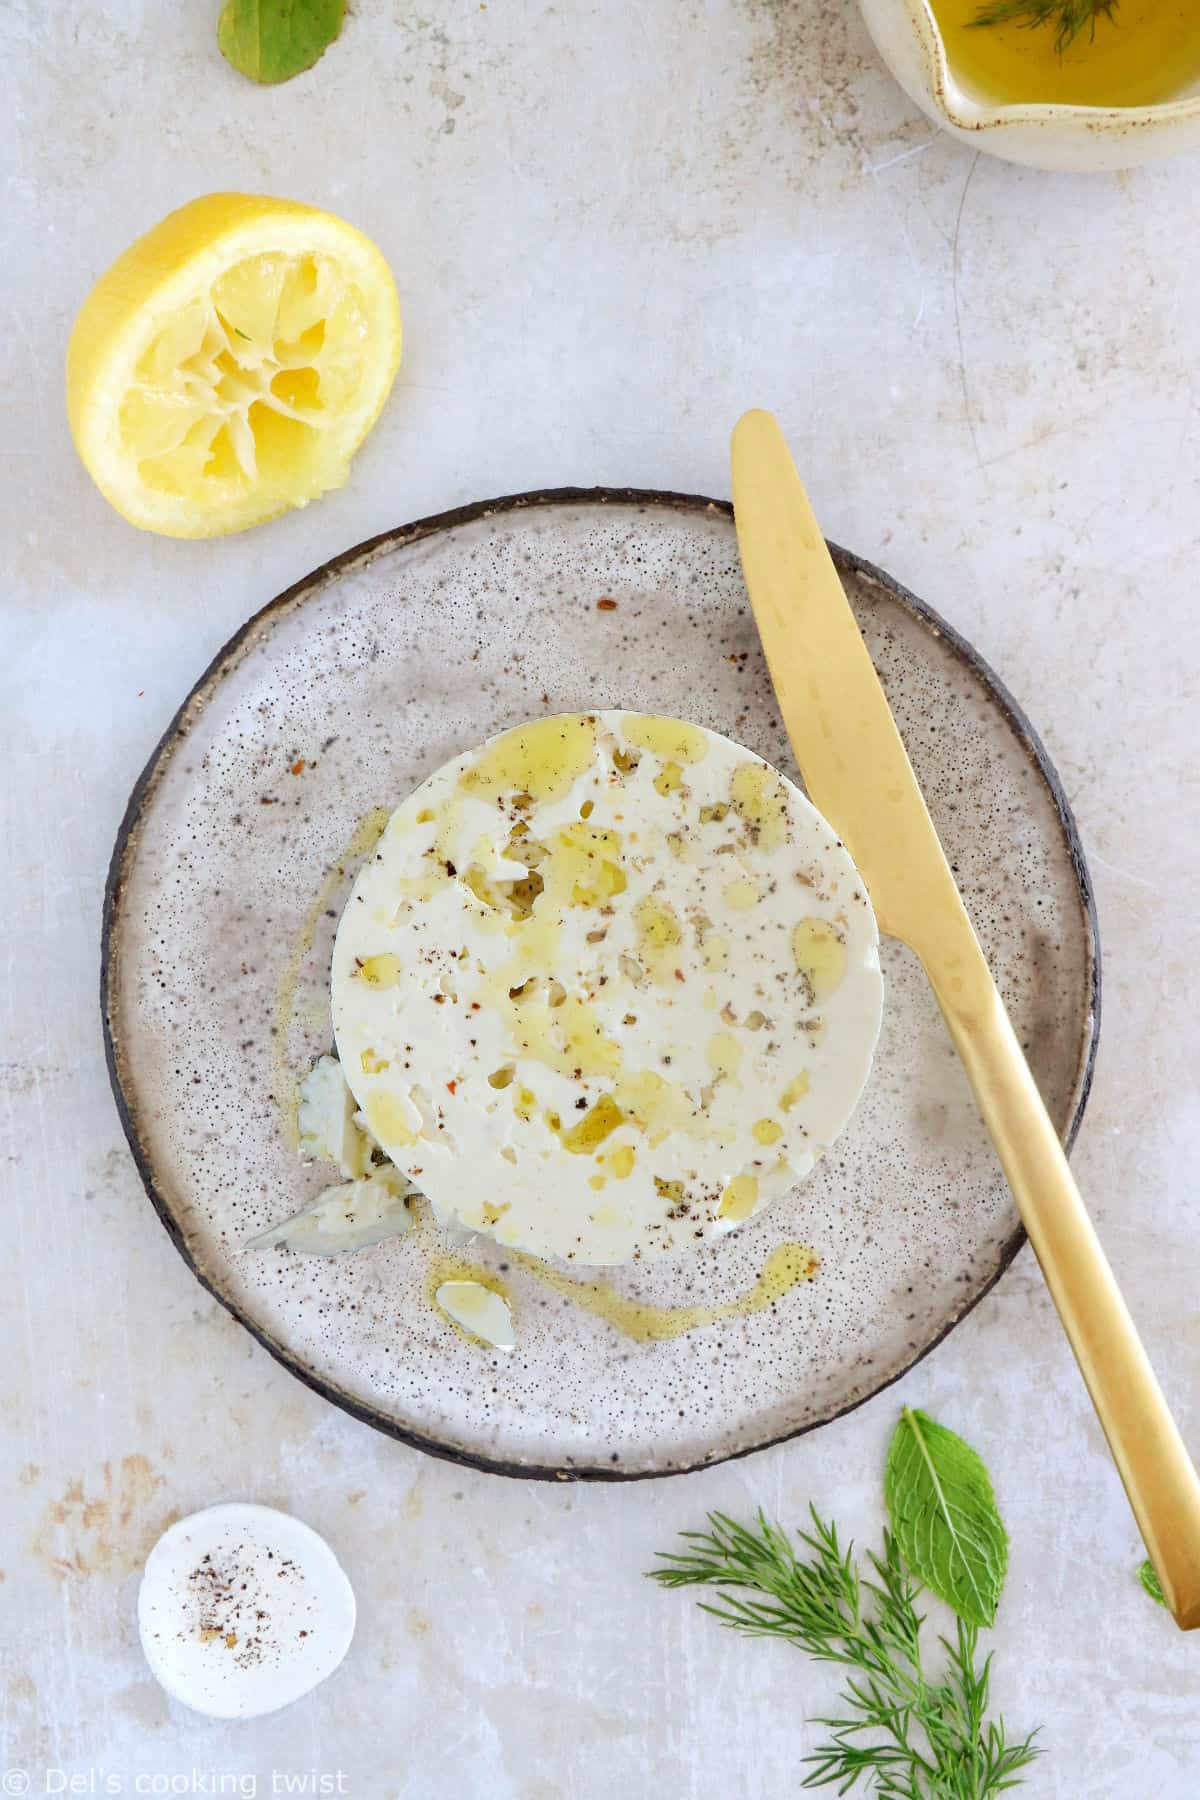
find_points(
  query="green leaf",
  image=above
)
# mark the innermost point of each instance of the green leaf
(1148, 1576)
(272, 40)
(944, 1516)
(912, 1734)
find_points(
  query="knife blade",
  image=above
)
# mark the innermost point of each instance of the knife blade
(858, 774)
(855, 766)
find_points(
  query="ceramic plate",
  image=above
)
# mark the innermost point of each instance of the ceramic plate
(239, 847)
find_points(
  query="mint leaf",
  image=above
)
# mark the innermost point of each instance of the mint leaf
(1148, 1576)
(944, 1516)
(272, 40)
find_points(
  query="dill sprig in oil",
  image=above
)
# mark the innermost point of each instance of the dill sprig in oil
(1069, 17)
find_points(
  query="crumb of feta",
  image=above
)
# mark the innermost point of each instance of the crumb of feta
(327, 1120)
(479, 1311)
(351, 1216)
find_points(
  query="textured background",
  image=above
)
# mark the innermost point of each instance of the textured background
(613, 226)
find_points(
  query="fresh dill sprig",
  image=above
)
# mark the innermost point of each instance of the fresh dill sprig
(915, 1737)
(1069, 17)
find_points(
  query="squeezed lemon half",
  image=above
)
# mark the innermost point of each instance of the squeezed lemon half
(230, 363)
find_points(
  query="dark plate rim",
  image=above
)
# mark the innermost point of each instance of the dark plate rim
(177, 731)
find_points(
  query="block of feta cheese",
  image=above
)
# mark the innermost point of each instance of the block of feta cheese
(606, 987)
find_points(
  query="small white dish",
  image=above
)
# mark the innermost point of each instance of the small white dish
(243, 1609)
(1043, 136)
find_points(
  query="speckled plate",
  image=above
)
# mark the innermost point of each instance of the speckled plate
(232, 864)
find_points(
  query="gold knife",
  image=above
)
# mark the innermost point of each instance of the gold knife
(858, 774)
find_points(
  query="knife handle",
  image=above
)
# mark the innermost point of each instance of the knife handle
(1159, 1476)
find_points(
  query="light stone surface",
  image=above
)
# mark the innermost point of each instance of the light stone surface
(613, 228)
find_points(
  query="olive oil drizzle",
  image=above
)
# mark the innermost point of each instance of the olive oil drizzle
(784, 1269)
(284, 1084)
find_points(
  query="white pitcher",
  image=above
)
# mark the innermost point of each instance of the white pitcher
(1045, 136)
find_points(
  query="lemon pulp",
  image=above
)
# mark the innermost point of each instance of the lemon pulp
(230, 363)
